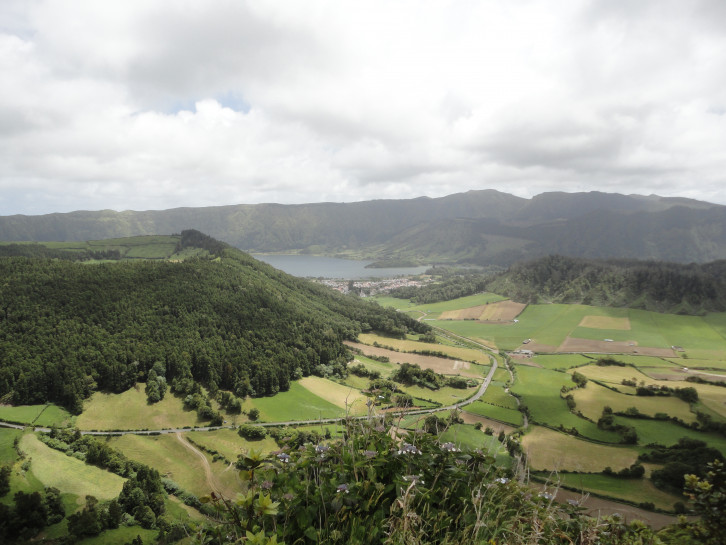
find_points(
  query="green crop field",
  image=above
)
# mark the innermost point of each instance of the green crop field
(298, 403)
(228, 442)
(632, 490)
(130, 411)
(551, 450)
(540, 391)
(591, 400)
(509, 416)
(67, 474)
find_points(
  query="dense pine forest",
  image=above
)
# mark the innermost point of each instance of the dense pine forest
(227, 320)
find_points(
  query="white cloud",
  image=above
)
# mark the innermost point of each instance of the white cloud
(150, 105)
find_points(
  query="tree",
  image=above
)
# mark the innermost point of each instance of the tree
(709, 500)
(5, 472)
(253, 413)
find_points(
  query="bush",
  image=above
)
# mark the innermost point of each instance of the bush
(252, 433)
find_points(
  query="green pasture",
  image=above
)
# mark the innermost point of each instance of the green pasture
(496, 395)
(67, 474)
(632, 490)
(539, 389)
(551, 324)
(55, 417)
(501, 374)
(175, 461)
(345, 397)
(509, 416)
(702, 364)
(228, 442)
(7, 449)
(592, 398)
(641, 361)
(466, 436)
(561, 361)
(120, 536)
(668, 433)
(297, 403)
(130, 410)
(23, 414)
(551, 450)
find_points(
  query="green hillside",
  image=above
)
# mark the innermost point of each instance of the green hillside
(221, 318)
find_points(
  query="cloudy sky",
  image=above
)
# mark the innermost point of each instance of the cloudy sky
(157, 104)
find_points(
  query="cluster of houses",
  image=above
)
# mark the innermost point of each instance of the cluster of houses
(366, 288)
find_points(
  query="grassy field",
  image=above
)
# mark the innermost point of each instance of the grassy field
(540, 391)
(445, 396)
(120, 536)
(229, 443)
(130, 411)
(550, 450)
(633, 490)
(67, 474)
(466, 436)
(496, 395)
(711, 396)
(7, 450)
(344, 397)
(561, 361)
(668, 433)
(298, 403)
(445, 366)
(23, 414)
(549, 325)
(175, 461)
(458, 352)
(591, 400)
(510, 416)
(385, 369)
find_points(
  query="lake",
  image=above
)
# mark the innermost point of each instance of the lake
(332, 267)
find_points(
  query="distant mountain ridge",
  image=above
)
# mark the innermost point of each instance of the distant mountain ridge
(481, 227)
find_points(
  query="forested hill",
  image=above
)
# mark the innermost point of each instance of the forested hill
(225, 320)
(481, 227)
(651, 285)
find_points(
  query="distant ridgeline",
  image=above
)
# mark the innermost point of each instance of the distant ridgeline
(478, 227)
(221, 317)
(651, 285)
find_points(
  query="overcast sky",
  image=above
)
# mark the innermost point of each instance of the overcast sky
(157, 104)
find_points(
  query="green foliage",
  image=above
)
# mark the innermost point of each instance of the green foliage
(709, 500)
(372, 488)
(252, 433)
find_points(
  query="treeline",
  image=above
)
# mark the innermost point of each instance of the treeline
(451, 287)
(651, 285)
(68, 329)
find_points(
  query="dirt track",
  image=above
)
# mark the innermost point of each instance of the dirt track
(211, 481)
